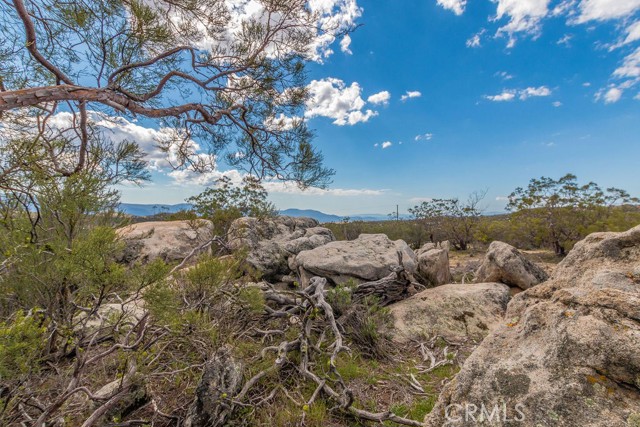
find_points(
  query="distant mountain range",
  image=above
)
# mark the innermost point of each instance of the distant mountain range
(138, 209)
(323, 217)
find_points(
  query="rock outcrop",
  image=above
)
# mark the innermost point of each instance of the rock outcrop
(433, 267)
(505, 264)
(568, 353)
(455, 312)
(171, 241)
(272, 241)
(369, 257)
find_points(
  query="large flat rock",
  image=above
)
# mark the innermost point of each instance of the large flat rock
(369, 257)
(455, 312)
(171, 241)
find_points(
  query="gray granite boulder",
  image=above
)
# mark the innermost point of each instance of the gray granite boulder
(369, 257)
(568, 351)
(505, 264)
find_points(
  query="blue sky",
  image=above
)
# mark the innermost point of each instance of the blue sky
(548, 88)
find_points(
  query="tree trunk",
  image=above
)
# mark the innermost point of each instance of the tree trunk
(558, 248)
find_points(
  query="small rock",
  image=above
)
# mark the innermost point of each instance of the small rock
(433, 267)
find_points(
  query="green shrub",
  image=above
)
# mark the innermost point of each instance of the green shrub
(22, 342)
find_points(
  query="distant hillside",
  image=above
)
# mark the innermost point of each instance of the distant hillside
(310, 213)
(324, 218)
(144, 210)
(137, 209)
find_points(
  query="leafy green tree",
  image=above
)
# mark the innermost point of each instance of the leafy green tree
(563, 211)
(227, 202)
(213, 71)
(453, 219)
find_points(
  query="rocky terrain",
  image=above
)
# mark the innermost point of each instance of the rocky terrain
(533, 349)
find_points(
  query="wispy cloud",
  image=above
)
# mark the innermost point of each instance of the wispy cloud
(410, 94)
(456, 6)
(386, 144)
(507, 95)
(565, 40)
(285, 187)
(503, 75)
(424, 137)
(476, 39)
(534, 91)
(522, 94)
(609, 96)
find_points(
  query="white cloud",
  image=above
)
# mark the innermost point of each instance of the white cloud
(565, 40)
(286, 187)
(169, 162)
(356, 117)
(611, 96)
(524, 16)
(503, 75)
(522, 94)
(534, 91)
(323, 20)
(586, 84)
(345, 43)
(633, 33)
(563, 8)
(118, 129)
(630, 67)
(424, 137)
(628, 74)
(456, 6)
(557, 104)
(601, 10)
(380, 98)
(474, 41)
(386, 144)
(502, 199)
(507, 95)
(331, 98)
(189, 177)
(282, 122)
(333, 15)
(410, 94)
